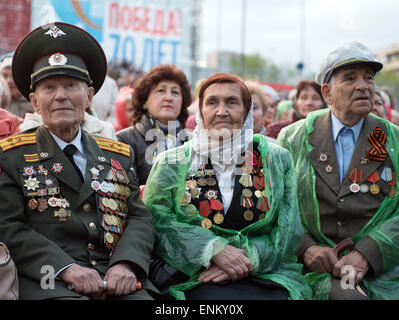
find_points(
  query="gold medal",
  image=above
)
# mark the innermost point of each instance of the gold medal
(105, 202)
(247, 193)
(202, 182)
(109, 237)
(218, 218)
(190, 184)
(211, 182)
(258, 193)
(374, 189)
(248, 215)
(108, 219)
(112, 204)
(195, 192)
(116, 221)
(206, 223)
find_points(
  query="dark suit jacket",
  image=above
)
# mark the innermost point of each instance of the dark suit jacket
(343, 213)
(38, 239)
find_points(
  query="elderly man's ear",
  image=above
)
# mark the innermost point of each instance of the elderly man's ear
(326, 92)
(33, 101)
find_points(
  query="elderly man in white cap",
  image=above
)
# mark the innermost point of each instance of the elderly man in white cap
(346, 160)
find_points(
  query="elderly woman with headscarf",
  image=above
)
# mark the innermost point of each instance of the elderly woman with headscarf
(308, 98)
(224, 205)
(160, 102)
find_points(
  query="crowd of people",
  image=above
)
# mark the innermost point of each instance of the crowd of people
(133, 186)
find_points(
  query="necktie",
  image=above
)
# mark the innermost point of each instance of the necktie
(69, 150)
(347, 147)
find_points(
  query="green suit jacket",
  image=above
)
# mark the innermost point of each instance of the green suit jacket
(39, 240)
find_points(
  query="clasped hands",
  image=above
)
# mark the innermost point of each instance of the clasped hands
(119, 279)
(322, 260)
(229, 264)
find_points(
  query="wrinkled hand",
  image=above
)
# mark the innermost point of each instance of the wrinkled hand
(121, 280)
(320, 259)
(354, 259)
(234, 262)
(86, 281)
(214, 274)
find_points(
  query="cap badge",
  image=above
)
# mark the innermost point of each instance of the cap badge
(55, 32)
(57, 59)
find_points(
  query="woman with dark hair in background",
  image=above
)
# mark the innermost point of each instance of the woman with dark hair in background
(308, 98)
(160, 102)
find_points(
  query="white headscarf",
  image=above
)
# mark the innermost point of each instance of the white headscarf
(207, 149)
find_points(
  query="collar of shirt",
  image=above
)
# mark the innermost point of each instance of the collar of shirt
(77, 142)
(337, 125)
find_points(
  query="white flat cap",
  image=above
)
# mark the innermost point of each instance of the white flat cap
(348, 53)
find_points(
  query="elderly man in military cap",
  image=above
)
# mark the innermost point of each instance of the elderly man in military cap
(70, 211)
(347, 163)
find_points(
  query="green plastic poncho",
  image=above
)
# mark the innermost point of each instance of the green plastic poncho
(269, 243)
(383, 227)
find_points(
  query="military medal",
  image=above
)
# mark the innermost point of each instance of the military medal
(364, 188)
(53, 202)
(323, 157)
(246, 193)
(41, 205)
(262, 204)
(206, 223)
(258, 194)
(216, 205)
(62, 214)
(355, 176)
(31, 184)
(202, 182)
(95, 185)
(57, 167)
(204, 208)
(32, 204)
(195, 192)
(246, 180)
(29, 171)
(190, 184)
(248, 215)
(328, 168)
(386, 174)
(211, 194)
(218, 218)
(374, 177)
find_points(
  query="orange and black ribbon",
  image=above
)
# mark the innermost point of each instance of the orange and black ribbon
(377, 139)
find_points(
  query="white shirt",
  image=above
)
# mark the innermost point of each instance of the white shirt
(226, 179)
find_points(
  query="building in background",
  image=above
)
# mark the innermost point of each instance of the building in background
(390, 58)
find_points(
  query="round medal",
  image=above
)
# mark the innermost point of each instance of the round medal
(211, 182)
(191, 184)
(105, 202)
(52, 202)
(95, 185)
(247, 193)
(206, 223)
(109, 237)
(374, 189)
(108, 219)
(112, 204)
(354, 187)
(187, 198)
(202, 182)
(248, 215)
(323, 157)
(258, 193)
(218, 218)
(364, 188)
